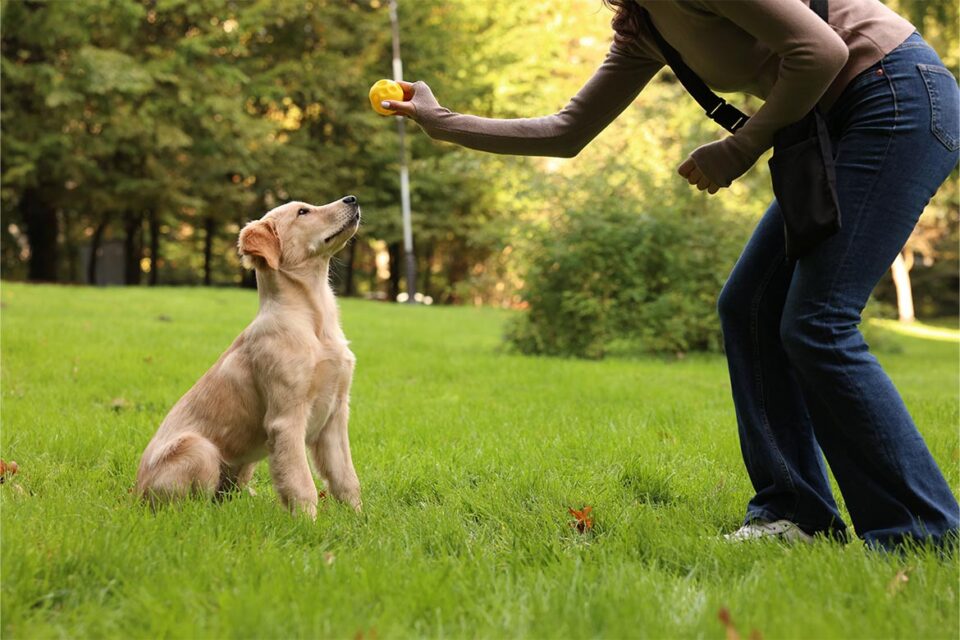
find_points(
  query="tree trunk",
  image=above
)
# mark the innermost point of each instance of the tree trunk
(427, 269)
(132, 248)
(70, 248)
(458, 268)
(95, 242)
(42, 228)
(396, 258)
(154, 222)
(209, 226)
(901, 280)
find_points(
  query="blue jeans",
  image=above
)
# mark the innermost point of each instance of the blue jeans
(802, 376)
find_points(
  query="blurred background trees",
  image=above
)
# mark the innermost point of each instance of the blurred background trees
(140, 135)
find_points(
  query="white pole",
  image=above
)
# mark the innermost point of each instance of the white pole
(404, 171)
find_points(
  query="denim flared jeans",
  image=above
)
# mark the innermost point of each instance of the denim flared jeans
(802, 376)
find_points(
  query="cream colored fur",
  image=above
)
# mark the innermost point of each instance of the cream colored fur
(282, 389)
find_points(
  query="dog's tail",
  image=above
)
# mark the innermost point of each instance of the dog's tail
(187, 464)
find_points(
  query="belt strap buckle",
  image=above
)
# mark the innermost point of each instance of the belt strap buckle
(727, 116)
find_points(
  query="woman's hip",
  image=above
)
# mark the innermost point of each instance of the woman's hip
(908, 95)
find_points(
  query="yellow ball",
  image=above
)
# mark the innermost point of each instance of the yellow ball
(384, 90)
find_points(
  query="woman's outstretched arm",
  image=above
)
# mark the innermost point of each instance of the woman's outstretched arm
(612, 88)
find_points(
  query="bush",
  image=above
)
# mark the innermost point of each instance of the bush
(609, 279)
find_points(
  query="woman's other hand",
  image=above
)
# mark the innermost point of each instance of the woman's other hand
(689, 170)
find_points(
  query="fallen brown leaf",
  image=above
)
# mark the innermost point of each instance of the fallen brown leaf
(582, 521)
(899, 581)
(731, 629)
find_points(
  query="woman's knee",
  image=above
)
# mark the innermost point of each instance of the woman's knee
(733, 304)
(795, 335)
(809, 337)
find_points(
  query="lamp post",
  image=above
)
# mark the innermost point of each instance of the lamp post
(411, 266)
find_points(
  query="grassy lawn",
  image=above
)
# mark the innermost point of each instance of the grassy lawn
(469, 458)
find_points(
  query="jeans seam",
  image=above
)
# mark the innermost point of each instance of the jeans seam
(758, 378)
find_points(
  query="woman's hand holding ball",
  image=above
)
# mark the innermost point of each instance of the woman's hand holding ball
(390, 98)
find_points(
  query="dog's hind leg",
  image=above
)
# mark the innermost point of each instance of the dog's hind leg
(233, 479)
(243, 478)
(331, 456)
(187, 464)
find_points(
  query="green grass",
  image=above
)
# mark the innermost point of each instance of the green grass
(469, 458)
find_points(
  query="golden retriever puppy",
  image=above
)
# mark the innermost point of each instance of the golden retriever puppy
(282, 389)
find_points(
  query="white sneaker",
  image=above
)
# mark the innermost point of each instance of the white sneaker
(780, 530)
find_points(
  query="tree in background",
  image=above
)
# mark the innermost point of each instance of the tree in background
(162, 127)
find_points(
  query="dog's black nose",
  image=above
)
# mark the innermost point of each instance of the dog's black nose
(350, 200)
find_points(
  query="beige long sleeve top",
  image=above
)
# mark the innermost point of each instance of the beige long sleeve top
(777, 50)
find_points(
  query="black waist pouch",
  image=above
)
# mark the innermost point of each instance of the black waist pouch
(805, 183)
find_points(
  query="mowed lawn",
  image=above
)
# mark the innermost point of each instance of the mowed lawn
(469, 458)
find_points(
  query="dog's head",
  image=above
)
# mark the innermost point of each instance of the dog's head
(296, 232)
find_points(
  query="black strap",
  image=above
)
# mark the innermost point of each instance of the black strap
(717, 109)
(821, 8)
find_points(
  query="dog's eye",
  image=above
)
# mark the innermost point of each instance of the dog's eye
(303, 211)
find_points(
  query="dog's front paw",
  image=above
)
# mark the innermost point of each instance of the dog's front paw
(351, 495)
(309, 509)
(303, 506)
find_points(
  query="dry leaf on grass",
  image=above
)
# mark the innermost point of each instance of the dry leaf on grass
(582, 521)
(899, 581)
(8, 469)
(727, 622)
(731, 629)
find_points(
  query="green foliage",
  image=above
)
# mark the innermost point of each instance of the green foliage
(469, 459)
(643, 281)
(167, 125)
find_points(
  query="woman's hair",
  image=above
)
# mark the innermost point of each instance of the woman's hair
(627, 20)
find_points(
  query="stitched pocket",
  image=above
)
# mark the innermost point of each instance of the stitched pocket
(944, 104)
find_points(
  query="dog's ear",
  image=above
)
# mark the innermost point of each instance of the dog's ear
(260, 238)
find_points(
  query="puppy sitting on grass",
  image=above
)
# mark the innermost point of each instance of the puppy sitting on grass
(282, 388)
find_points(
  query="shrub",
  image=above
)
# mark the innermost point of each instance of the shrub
(617, 279)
